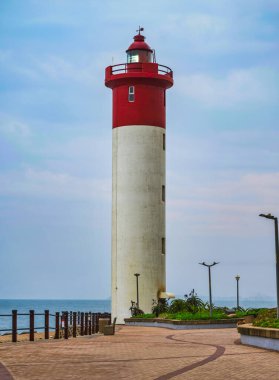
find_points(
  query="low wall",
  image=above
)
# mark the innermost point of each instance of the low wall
(263, 337)
(183, 325)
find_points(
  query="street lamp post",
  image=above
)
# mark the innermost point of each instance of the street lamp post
(137, 277)
(269, 216)
(209, 280)
(237, 277)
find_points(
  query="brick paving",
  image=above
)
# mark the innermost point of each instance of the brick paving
(140, 353)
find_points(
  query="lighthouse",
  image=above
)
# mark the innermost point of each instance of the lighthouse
(138, 178)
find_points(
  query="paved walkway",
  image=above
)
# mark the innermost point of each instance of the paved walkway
(140, 353)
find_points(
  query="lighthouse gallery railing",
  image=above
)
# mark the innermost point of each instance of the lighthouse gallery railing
(124, 68)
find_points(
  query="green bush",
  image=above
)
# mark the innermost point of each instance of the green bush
(160, 306)
(177, 306)
(193, 302)
(267, 318)
(253, 311)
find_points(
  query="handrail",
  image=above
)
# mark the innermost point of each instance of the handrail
(123, 68)
(66, 323)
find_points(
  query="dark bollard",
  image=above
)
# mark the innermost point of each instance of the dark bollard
(81, 324)
(94, 323)
(74, 324)
(57, 326)
(14, 326)
(97, 322)
(86, 324)
(46, 324)
(79, 318)
(66, 330)
(90, 324)
(32, 326)
(71, 318)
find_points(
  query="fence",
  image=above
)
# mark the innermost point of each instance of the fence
(66, 324)
(124, 68)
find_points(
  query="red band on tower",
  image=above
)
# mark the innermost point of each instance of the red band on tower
(139, 87)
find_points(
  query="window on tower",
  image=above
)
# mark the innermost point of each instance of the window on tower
(163, 246)
(164, 141)
(131, 94)
(163, 193)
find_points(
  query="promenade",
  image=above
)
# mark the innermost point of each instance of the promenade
(140, 353)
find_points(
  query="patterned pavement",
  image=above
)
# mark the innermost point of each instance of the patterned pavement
(140, 353)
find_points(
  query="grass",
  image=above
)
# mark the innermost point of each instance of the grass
(201, 315)
(186, 316)
(145, 316)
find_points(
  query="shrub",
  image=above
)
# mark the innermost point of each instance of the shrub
(267, 318)
(193, 302)
(177, 306)
(160, 306)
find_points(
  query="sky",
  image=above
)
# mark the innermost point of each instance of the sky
(55, 142)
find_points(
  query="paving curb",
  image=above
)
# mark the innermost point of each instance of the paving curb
(263, 337)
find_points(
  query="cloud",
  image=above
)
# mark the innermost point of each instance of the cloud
(58, 68)
(222, 30)
(13, 127)
(195, 25)
(44, 183)
(238, 87)
(81, 69)
(224, 206)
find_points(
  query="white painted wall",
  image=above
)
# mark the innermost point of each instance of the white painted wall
(138, 217)
(258, 341)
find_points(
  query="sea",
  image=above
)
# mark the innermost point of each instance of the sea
(39, 306)
(95, 306)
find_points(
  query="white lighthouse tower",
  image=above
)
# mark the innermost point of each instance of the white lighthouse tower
(138, 178)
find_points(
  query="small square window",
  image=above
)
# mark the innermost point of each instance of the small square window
(163, 246)
(131, 94)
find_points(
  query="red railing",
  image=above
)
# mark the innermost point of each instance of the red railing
(124, 68)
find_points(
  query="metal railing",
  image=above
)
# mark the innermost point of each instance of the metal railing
(66, 324)
(124, 68)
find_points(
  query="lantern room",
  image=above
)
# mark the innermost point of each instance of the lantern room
(139, 51)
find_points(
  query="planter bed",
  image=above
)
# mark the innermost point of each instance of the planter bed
(184, 325)
(263, 337)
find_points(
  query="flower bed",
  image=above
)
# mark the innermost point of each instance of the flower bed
(184, 324)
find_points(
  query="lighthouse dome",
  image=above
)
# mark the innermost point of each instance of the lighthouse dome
(139, 50)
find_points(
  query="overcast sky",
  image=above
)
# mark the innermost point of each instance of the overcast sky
(55, 142)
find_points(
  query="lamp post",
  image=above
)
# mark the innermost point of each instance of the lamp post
(137, 277)
(269, 216)
(209, 280)
(237, 277)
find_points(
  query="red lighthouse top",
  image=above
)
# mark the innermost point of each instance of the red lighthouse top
(139, 44)
(139, 51)
(139, 87)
